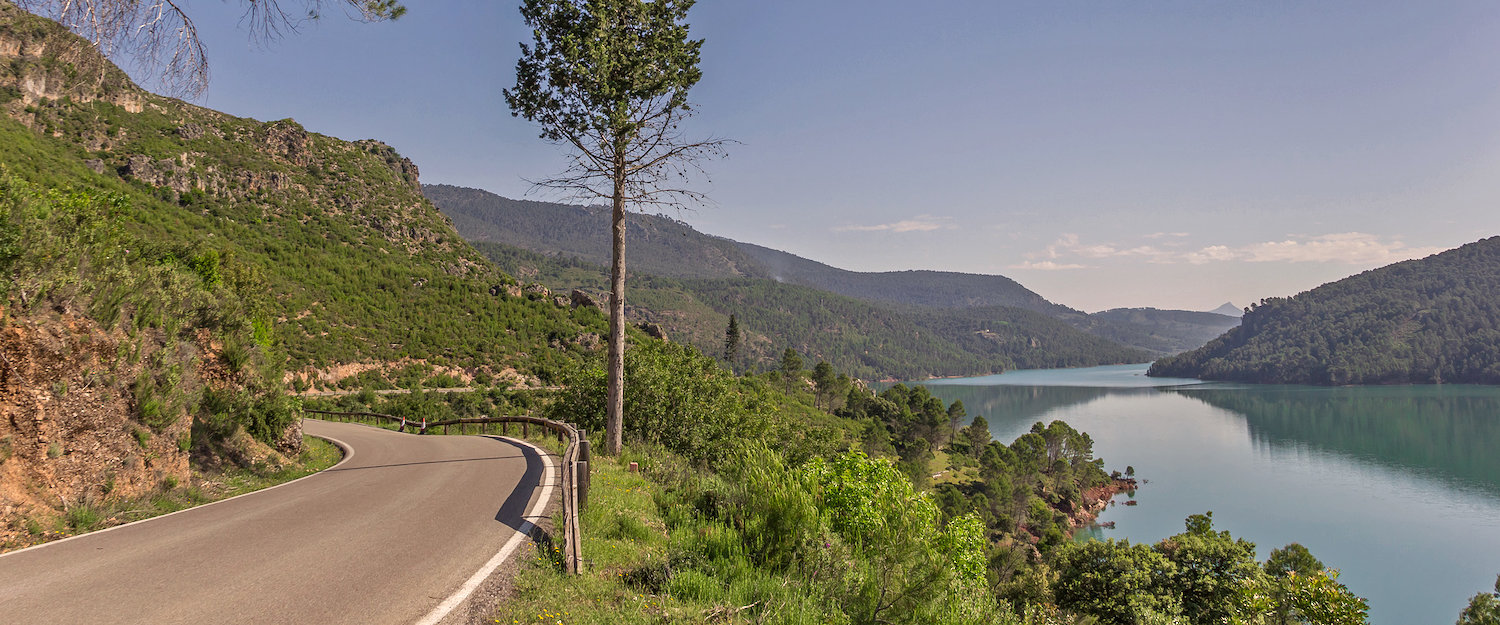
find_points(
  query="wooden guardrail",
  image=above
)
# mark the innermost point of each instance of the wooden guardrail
(575, 471)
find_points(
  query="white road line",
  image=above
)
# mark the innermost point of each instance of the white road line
(463, 592)
(348, 455)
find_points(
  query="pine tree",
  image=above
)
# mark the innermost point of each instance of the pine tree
(731, 342)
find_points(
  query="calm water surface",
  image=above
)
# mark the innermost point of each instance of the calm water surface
(1398, 487)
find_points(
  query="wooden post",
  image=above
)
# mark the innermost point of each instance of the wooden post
(504, 429)
(525, 429)
(584, 476)
(583, 484)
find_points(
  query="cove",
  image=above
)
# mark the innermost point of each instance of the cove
(1398, 487)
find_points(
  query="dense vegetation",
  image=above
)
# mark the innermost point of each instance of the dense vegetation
(1162, 331)
(864, 339)
(574, 237)
(1427, 321)
(748, 521)
(64, 252)
(359, 266)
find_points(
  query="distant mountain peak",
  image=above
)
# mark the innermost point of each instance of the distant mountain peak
(1229, 310)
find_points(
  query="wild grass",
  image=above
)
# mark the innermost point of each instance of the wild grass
(639, 571)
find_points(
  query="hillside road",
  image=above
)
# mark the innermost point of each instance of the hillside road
(386, 536)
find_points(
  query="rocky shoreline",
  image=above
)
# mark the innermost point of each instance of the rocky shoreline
(1096, 499)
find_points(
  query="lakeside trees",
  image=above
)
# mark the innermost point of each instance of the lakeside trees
(1429, 321)
(609, 80)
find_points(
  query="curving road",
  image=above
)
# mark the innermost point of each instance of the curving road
(398, 532)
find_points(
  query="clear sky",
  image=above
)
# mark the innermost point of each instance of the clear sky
(1176, 154)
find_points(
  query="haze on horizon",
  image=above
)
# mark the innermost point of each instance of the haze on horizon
(1178, 154)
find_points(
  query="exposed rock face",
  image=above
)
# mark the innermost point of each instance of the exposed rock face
(537, 290)
(579, 298)
(82, 75)
(404, 169)
(654, 331)
(288, 140)
(67, 427)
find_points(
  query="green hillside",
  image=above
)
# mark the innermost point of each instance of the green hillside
(361, 269)
(1161, 331)
(862, 338)
(662, 246)
(1426, 321)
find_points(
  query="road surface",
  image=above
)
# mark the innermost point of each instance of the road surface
(391, 535)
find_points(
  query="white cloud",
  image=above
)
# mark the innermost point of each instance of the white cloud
(1047, 265)
(1352, 248)
(1158, 235)
(920, 223)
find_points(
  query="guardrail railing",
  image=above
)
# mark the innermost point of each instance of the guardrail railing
(575, 473)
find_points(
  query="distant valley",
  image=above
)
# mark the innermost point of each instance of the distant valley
(903, 324)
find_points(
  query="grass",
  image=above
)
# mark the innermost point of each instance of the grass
(623, 533)
(90, 514)
(635, 570)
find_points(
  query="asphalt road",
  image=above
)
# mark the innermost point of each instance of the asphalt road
(397, 530)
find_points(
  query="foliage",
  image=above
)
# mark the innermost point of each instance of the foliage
(1210, 568)
(335, 254)
(1293, 558)
(1483, 608)
(1429, 321)
(675, 397)
(75, 254)
(1295, 599)
(1116, 582)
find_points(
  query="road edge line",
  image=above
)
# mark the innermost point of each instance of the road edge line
(348, 454)
(488, 568)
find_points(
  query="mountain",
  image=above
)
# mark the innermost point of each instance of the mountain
(659, 245)
(662, 246)
(168, 271)
(864, 339)
(1228, 309)
(940, 289)
(1161, 331)
(366, 273)
(1432, 320)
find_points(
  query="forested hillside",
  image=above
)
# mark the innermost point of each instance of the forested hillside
(168, 274)
(658, 245)
(1162, 331)
(661, 246)
(1426, 321)
(863, 338)
(941, 289)
(362, 269)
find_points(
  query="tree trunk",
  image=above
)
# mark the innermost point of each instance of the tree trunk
(614, 422)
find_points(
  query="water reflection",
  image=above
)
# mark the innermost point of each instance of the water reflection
(1448, 431)
(1365, 477)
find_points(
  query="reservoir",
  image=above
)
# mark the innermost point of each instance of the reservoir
(1398, 487)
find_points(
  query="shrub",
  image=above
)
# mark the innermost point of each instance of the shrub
(675, 397)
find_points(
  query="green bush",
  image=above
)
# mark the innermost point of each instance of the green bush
(675, 397)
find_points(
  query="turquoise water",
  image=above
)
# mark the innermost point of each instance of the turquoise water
(1398, 487)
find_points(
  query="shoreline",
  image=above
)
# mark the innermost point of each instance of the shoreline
(1096, 500)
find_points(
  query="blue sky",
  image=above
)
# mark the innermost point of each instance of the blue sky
(1159, 153)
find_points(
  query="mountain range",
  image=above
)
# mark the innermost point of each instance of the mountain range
(948, 303)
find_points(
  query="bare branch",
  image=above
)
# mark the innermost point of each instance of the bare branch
(162, 39)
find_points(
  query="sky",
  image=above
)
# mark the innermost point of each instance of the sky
(1175, 154)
